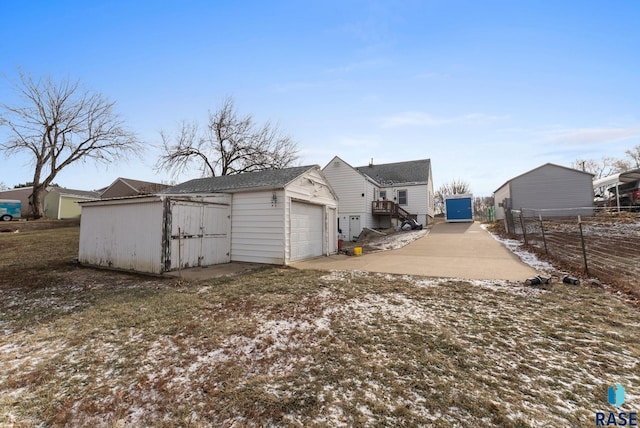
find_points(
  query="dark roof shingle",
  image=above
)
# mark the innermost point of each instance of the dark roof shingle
(416, 171)
(270, 179)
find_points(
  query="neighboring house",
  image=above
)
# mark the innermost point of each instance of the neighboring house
(61, 203)
(123, 187)
(274, 217)
(21, 194)
(379, 196)
(556, 189)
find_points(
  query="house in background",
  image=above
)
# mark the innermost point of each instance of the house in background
(556, 189)
(61, 203)
(123, 187)
(21, 194)
(380, 196)
(274, 217)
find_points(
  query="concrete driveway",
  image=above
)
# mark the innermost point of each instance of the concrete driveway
(450, 250)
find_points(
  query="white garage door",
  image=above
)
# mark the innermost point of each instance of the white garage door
(306, 231)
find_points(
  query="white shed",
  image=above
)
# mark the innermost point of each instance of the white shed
(274, 217)
(557, 189)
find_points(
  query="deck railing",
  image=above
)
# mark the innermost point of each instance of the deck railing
(389, 208)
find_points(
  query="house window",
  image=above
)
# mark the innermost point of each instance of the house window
(383, 195)
(402, 197)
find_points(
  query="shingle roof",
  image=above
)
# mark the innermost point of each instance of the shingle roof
(73, 192)
(144, 186)
(271, 179)
(389, 174)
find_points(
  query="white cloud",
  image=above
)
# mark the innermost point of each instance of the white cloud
(592, 135)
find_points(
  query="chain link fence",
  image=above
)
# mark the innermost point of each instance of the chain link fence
(599, 243)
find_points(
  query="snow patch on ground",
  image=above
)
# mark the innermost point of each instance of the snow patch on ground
(515, 247)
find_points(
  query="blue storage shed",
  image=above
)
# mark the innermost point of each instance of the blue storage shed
(458, 208)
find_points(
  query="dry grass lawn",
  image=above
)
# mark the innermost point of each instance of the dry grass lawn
(280, 347)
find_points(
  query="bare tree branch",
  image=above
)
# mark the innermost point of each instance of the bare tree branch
(229, 144)
(634, 157)
(603, 168)
(59, 124)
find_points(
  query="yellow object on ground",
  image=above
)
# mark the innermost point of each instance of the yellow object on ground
(357, 251)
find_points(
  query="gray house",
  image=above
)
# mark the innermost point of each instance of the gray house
(556, 189)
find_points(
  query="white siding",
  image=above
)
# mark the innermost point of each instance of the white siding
(355, 194)
(370, 191)
(313, 188)
(258, 227)
(430, 195)
(348, 184)
(417, 198)
(123, 236)
(552, 186)
(499, 196)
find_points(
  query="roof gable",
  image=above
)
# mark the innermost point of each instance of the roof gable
(136, 186)
(548, 164)
(269, 179)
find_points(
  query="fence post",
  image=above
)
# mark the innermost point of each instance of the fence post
(524, 232)
(584, 250)
(544, 238)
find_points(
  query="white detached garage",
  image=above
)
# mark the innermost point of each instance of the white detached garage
(274, 217)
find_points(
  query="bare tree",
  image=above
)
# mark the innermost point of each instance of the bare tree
(605, 167)
(229, 144)
(634, 157)
(58, 123)
(455, 187)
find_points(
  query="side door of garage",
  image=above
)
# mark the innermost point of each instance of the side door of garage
(200, 234)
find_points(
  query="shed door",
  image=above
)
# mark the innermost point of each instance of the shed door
(306, 231)
(459, 209)
(200, 235)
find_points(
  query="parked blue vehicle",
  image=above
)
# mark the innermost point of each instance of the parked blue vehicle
(9, 209)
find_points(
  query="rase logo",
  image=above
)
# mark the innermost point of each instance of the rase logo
(615, 397)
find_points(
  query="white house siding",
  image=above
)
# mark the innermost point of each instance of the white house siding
(431, 210)
(417, 198)
(551, 187)
(125, 235)
(258, 227)
(312, 188)
(350, 186)
(499, 196)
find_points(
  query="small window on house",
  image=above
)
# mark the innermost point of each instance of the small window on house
(402, 197)
(383, 195)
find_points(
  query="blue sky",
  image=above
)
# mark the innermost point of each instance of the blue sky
(485, 89)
